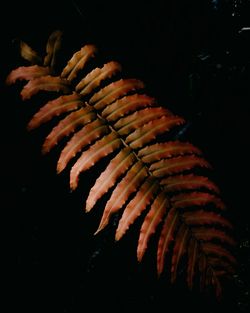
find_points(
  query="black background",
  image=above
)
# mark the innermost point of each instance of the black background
(194, 58)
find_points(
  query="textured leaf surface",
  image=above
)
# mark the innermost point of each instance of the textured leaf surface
(166, 237)
(55, 108)
(165, 150)
(78, 61)
(44, 83)
(133, 121)
(100, 149)
(177, 165)
(189, 181)
(80, 140)
(114, 91)
(127, 104)
(135, 207)
(94, 78)
(118, 166)
(148, 132)
(151, 221)
(26, 73)
(149, 173)
(68, 125)
(123, 190)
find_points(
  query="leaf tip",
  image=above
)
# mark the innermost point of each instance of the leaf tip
(118, 235)
(140, 254)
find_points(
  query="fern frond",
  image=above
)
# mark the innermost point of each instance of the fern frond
(123, 190)
(179, 249)
(148, 172)
(177, 165)
(197, 198)
(149, 131)
(208, 234)
(192, 261)
(52, 47)
(68, 125)
(218, 250)
(151, 222)
(167, 236)
(78, 61)
(29, 54)
(44, 83)
(117, 167)
(37, 69)
(202, 217)
(27, 73)
(80, 140)
(135, 207)
(54, 108)
(100, 149)
(188, 181)
(137, 119)
(96, 76)
(125, 105)
(221, 265)
(165, 150)
(113, 91)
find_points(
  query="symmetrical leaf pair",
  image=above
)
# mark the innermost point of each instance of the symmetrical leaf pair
(147, 174)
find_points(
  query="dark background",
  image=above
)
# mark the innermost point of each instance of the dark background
(194, 58)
